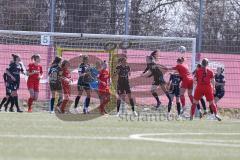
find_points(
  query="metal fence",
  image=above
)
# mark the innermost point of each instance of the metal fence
(214, 22)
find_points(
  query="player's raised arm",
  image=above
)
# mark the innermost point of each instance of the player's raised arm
(146, 74)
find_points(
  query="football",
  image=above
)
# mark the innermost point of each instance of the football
(182, 49)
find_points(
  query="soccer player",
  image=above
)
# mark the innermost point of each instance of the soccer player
(13, 71)
(155, 70)
(103, 90)
(123, 72)
(219, 85)
(54, 74)
(66, 84)
(174, 90)
(219, 88)
(187, 80)
(35, 73)
(6, 100)
(201, 100)
(94, 74)
(83, 83)
(205, 85)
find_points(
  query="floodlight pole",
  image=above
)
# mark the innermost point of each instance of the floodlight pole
(200, 29)
(126, 17)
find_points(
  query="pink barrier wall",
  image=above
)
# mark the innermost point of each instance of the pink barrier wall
(25, 52)
(231, 63)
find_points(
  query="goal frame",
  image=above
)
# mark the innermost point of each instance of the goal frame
(107, 36)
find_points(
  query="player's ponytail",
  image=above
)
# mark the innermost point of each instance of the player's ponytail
(15, 57)
(153, 54)
(182, 59)
(57, 60)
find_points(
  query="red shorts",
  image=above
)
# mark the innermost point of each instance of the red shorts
(103, 93)
(204, 90)
(187, 84)
(66, 89)
(33, 85)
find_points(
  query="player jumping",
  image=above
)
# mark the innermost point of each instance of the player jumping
(155, 70)
(187, 80)
(54, 74)
(35, 73)
(205, 83)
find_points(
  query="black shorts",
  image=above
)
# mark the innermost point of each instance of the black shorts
(175, 90)
(159, 82)
(219, 94)
(8, 92)
(83, 85)
(55, 86)
(123, 88)
(11, 87)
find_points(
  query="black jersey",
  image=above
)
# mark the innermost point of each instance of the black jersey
(175, 79)
(84, 68)
(157, 74)
(219, 79)
(150, 62)
(123, 72)
(54, 74)
(15, 70)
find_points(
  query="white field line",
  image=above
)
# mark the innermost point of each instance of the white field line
(183, 141)
(142, 137)
(63, 137)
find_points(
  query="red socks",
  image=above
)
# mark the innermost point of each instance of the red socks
(191, 98)
(193, 108)
(182, 99)
(30, 102)
(214, 108)
(103, 104)
(64, 104)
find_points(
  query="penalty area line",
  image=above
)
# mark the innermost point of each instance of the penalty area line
(63, 137)
(163, 139)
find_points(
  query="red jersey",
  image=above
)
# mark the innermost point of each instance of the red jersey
(204, 76)
(34, 68)
(104, 76)
(183, 71)
(66, 75)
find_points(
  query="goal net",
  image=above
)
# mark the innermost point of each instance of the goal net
(98, 47)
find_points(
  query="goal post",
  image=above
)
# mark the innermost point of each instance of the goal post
(136, 48)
